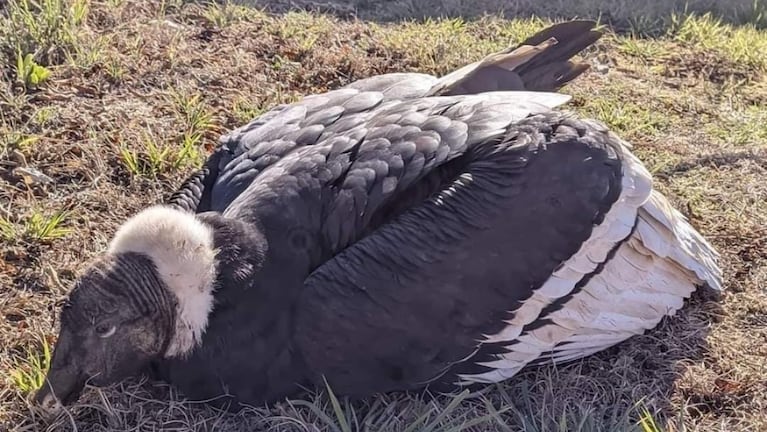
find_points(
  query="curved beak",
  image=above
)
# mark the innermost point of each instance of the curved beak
(61, 388)
(64, 381)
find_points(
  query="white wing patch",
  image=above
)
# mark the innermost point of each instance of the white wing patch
(650, 275)
(617, 224)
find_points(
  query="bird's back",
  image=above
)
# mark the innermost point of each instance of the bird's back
(542, 62)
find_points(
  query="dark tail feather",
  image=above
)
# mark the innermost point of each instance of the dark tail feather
(542, 62)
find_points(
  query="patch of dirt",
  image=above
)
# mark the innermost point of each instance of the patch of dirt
(705, 64)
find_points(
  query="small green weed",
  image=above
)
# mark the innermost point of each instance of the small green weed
(192, 112)
(44, 115)
(223, 14)
(115, 71)
(189, 155)
(743, 44)
(49, 28)
(46, 228)
(28, 72)
(197, 120)
(245, 110)
(7, 230)
(14, 139)
(155, 158)
(29, 375)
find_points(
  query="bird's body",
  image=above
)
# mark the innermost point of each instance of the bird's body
(408, 231)
(543, 240)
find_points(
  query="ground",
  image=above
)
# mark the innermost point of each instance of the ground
(120, 99)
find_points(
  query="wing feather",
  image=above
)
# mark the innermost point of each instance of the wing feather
(457, 265)
(643, 283)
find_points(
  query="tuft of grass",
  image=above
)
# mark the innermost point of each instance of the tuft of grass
(29, 373)
(49, 29)
(644, 49)
(451, 413)
(189, 155)
(131, 160)
(245, 109)
(437, 46)
(302, 28)
(28, 72)
(151, 161)
(192, 112)
(16, 139)
(154, 158)
(87, 54)
(45, 228)
(223, 14)
(197, 121)
(115, 71)
(7, 229)
(742, 44)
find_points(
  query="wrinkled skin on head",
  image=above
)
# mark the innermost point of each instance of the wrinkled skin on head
(117, 319)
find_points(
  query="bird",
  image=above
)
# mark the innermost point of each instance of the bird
(400, 233)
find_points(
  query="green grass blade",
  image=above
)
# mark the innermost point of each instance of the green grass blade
(337, 408)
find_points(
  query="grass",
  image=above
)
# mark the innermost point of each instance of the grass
(150, 161)
(29, 374)
(37, 227)
(28, 72)
(7, 230)
(643, 18)
(138, 92)
(43, 228)
(48, 29)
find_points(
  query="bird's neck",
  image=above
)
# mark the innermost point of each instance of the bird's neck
(249, 330)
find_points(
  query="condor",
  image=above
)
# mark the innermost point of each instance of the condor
(402, 232)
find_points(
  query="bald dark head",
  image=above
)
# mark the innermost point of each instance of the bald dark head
(118, 317)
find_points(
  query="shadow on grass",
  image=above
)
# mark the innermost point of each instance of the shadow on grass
(648, 18)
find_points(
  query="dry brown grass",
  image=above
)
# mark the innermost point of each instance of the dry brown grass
(139, 91)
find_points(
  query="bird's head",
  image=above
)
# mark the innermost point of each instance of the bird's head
(147, 297)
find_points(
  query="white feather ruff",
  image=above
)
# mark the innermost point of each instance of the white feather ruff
(181, 247)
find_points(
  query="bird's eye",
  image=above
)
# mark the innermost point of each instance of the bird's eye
(104, 330)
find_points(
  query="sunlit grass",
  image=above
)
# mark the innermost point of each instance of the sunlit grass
(28, 374)
(48, 28)
(742, 44)
(7, 229)
(153, 157)
(42, 227)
